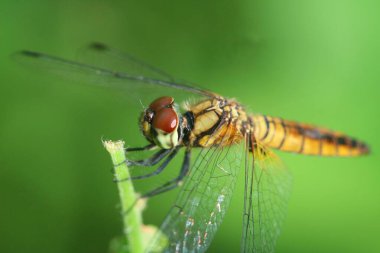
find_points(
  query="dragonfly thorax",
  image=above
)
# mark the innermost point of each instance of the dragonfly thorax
(160, 123)
(217, 122)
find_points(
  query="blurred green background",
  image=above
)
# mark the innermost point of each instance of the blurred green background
(311, 61)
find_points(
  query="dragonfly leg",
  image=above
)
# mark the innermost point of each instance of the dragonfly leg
(157, 171)
(153, 160)
(174, 183)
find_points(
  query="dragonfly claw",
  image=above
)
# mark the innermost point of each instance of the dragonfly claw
(115, 180)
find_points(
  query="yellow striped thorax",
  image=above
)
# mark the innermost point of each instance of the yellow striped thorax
(217, 121)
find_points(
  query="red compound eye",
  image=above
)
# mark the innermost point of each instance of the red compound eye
(160, 103)
(166, 120)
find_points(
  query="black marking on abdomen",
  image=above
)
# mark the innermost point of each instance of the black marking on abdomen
(267, 130)
(301, 132)
(354, 143)
(342, 140)
(285, 133)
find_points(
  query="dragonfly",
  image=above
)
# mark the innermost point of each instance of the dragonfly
(229, 140)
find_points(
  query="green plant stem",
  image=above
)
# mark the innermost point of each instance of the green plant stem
(131, 213)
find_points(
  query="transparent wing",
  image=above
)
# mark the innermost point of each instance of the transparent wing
(114, 76)
(267, 190)
(133, 90)
(203, 200)
(108, 57)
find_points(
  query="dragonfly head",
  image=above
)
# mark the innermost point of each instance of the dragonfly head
(159, 123)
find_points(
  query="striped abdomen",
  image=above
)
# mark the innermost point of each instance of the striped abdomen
(305, 139)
